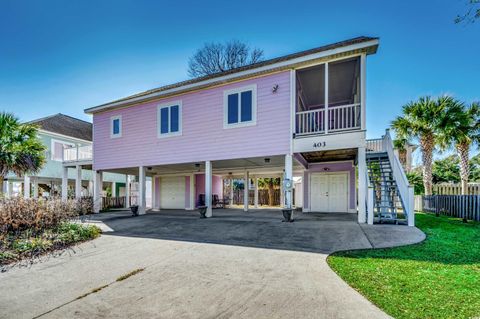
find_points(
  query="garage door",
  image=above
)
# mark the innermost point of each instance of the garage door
(329, 193)
(172, 192)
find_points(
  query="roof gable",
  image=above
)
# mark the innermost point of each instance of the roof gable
(65, 125)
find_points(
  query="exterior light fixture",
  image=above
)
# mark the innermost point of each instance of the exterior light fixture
(326, 169)
(275, 88)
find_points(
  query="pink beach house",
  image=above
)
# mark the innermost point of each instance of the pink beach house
(300, 117)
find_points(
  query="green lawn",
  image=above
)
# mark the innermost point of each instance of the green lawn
(439, 278)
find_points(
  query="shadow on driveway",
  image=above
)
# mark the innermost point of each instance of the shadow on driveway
(319, 233)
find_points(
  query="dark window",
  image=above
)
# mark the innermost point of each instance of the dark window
(116, 126)
(174, 119)
(233, 108)
(164, 120)
(246, 107)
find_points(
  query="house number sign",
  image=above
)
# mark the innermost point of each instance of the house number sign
(319, 144)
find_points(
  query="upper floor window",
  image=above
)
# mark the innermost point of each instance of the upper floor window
(169, 119)
(57, 148)
(240, 107)
(116, 126)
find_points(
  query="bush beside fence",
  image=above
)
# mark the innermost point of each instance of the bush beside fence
(461, 206)
(18, 213)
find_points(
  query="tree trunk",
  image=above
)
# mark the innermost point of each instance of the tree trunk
(402, 157)
(1, 186)
(270, 194)
(463, 150)
(427, 144)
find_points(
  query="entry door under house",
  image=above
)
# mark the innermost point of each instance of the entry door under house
(329, 192)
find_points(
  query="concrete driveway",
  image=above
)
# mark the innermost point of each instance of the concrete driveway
(240, 265)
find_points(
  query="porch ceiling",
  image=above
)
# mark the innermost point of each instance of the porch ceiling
(257, 165)
(331, 155)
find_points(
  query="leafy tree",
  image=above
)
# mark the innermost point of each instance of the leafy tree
(415, 179)
(218, 57)
(460, 129)
(446, 170)
(420, 121)
(472, 13)
(400, 145)
(475, 168)
(21, 152)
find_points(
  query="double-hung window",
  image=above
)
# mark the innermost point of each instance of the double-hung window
(116, 126)
(240, 107)
(169, 119)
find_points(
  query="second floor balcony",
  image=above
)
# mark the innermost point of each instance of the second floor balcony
(78, 153)
(336, 119)
(329, 97)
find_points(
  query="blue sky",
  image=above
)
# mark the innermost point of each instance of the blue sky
(64, 56)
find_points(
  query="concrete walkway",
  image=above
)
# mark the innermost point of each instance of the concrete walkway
(240, 265)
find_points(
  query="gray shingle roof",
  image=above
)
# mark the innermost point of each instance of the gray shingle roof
(288, 57)
(65, 125)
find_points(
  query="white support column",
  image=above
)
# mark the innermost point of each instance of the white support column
(363, 92)
(65, 184)
(282, 193)
(289, 176)
(208, 188)
(326, 115)
(90, 188)
(127, 191)
(78, 181)
(142, 191)
(35, 187)
(411, 205)
(231, 191)
(192, 191)
(362, 185)
(370, 206)
(26, 186)
(255, 199)
(97, 191)
(114, 189)
(5, 188)
(245, 191)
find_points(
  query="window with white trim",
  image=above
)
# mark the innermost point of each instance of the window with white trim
(169, 119)
(240, 107)
(116, 126)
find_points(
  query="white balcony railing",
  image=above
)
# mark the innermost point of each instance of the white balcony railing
(339, 118)
(375, 145)
(78, 153)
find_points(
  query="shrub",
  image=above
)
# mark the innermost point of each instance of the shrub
(20, 214)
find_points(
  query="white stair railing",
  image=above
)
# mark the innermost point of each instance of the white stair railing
(404, 188)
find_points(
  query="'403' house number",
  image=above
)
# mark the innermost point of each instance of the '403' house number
(319, 144)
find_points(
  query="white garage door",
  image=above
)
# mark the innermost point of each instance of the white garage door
(329, 193)
(172, 192)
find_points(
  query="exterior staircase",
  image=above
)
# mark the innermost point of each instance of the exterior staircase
(389, 197)
(388, 206)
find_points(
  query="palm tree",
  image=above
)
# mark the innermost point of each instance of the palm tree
(401, 144)
(460, 128)
(420, 121)
(21, 152)
(270, 184)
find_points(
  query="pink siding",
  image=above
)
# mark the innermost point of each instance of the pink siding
(332, 167)
(203, 137)
(217, 186)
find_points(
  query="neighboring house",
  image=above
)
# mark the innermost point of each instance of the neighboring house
(300, 115)
(68, 144)
(406, 156)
